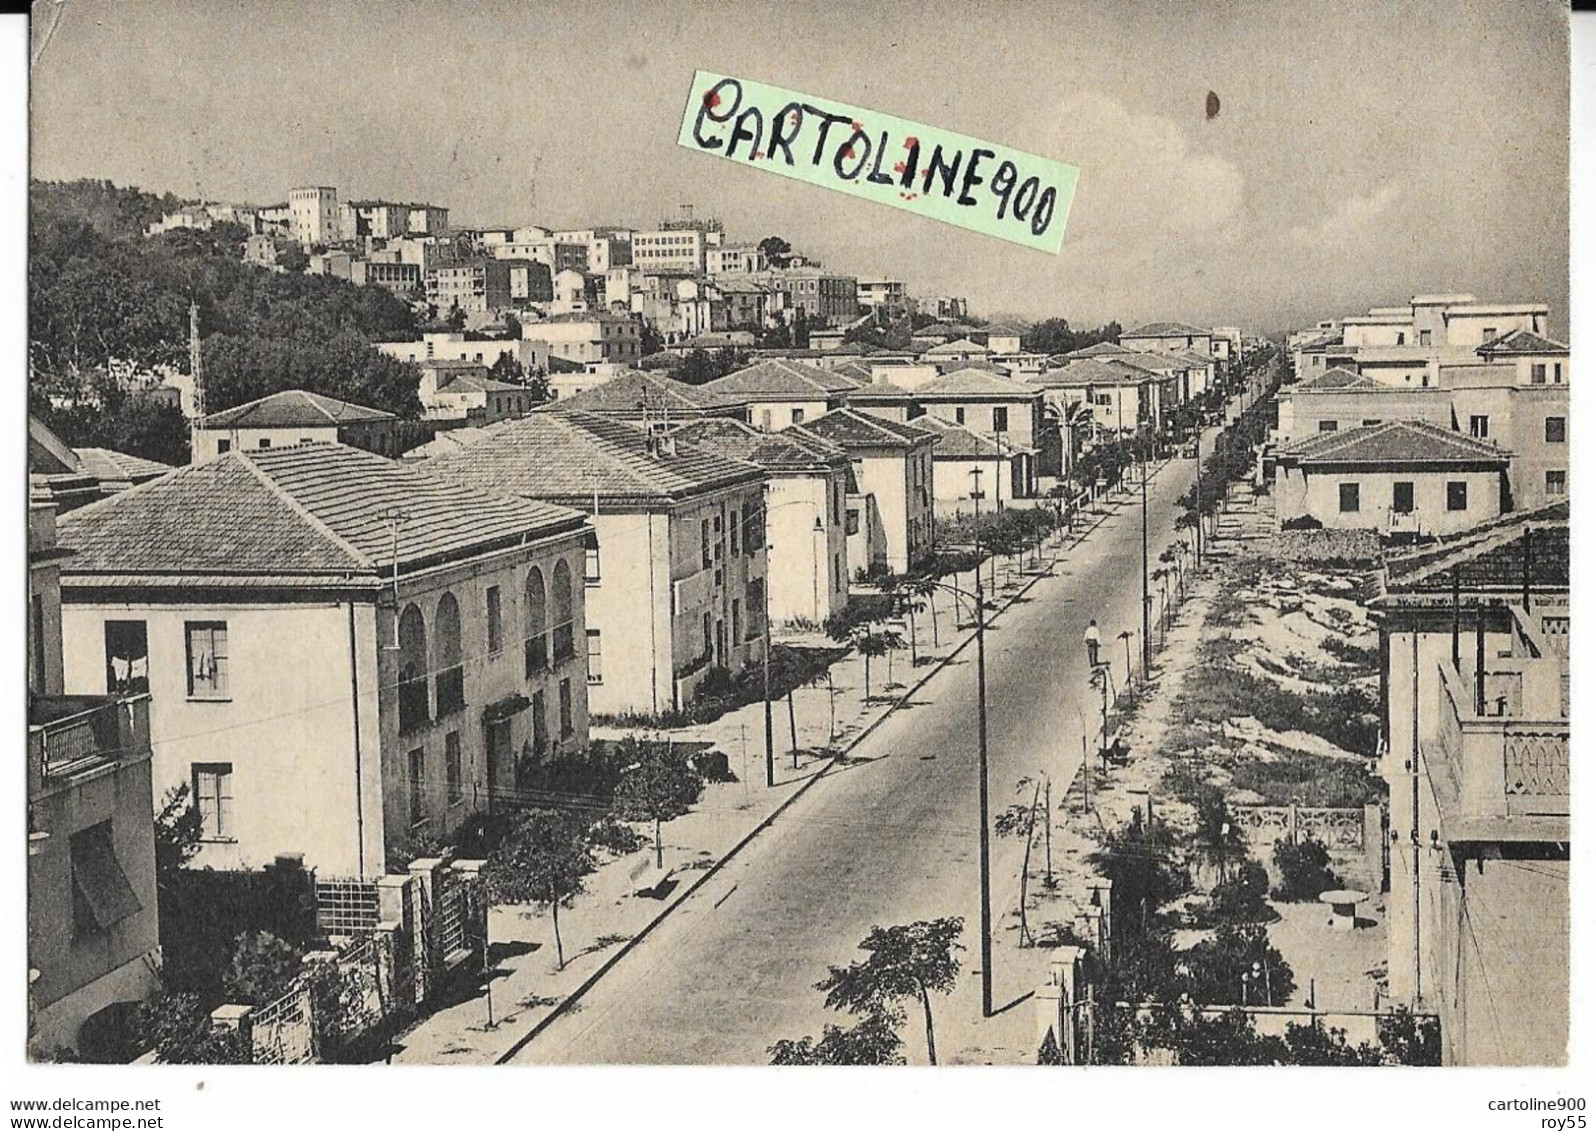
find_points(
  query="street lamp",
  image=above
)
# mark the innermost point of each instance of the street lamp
(981, 749)
(1147, 597)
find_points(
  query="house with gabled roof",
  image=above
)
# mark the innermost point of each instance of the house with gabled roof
(959, 350)
(643, 395)
(1167, 337)
(1399, 477)
(676, 572)
(778, 392)
(1341, 399)
(965, 461)
(890, 506)
(297, 416)
(320, 629)
(806, 490)
(1007, 410)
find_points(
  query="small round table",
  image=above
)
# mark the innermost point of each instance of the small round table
(1344, 907)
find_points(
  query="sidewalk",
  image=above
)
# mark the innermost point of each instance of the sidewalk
(628, 894)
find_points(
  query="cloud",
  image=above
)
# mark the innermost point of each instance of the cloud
(1140, 174)
(1349, 219)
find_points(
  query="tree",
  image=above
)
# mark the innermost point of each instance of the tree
(659, 784)
(261, 969)
(777, 251)
(456, 318)
(507, 368)
(292, 258)
(178, 829)
(911, 961)
(1319, 1045)
(650, 341)
(545, 859)
(873, 1041)
(512, 326)
(1243, 897)
(1212, 971)
(1139, 859)
(1410, 1039)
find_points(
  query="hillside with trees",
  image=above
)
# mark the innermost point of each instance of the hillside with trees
(108, 306)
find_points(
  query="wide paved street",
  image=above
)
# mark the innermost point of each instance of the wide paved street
(888, 839)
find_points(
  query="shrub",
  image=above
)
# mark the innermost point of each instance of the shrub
(1243, 896)
(1211, 972)
(1139, 859)
(1410, 1039)
(1304, 867)
(1302, 522)
(262, 968)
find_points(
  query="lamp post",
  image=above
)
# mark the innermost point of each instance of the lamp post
(982, 775)
(1147, 597)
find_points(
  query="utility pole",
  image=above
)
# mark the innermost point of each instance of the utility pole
(1199, 496)
(986, 836)
(770, 725)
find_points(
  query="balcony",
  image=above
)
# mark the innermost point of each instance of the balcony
(74, 734)
(1504, 770)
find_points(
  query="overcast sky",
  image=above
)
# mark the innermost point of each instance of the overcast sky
(1363, 152)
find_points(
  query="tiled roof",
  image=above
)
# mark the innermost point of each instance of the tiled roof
(971, 382)
(575, 457)
(1191, 357)
(856, 371)
(1522, 341)
(955, 441)
(1166, 330)
(623, 393)
(105, 464)
(944, 330)
(291, 408)
(849, 428)
(1337, 379)
(959, 345)
(791, 449)
(473, 383)
(775, 379)
(312, 511)
(1148, 362)
(880, 391)
(1001, 328)
(449, 440)
(1429, 566)
(1393, 442)
(1089, 371)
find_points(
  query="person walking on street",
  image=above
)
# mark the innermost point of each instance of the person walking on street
(1094, 641)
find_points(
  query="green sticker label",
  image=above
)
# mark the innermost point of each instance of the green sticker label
(979, 185)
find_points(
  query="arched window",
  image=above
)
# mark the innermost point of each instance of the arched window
(413, 713)
(561, 600)
(449, 673)
(537, 623)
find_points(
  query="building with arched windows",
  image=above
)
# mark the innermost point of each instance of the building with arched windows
(321, 630)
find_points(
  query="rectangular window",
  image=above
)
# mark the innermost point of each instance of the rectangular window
(1557, 429)
(1349, 498)
(1457, 496)
(127, 658)
(1557, 373)
(737, 619)
(1424, 337)
(451, 766)
(836, 573)
(797, 416)
(853, 521)
(703, 542)
(101, 894)
(1371, 421)
(1480, 427)
(1557, 482)
(36, 629)
(1488, 334)
(591, 573)
(1538, 373)
(958, 415)
(567, 713)
(207, 659)
(1329, 425)
(1000, 420)
(1402, 498)
(764, 419)
(495, 621)
(595, 656)
(709, 635)
(265, 441)
(417, 791)
(212, 783)
(223, 447)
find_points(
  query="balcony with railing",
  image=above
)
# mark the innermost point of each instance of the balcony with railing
(1500, 752)
(70, 735)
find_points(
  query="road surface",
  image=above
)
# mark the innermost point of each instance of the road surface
(888, 839)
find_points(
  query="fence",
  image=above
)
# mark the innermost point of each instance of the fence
(399, 940)
(1345, 832)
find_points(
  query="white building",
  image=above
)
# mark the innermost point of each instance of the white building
(315, 216)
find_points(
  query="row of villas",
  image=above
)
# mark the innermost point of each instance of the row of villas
(1425, 419)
